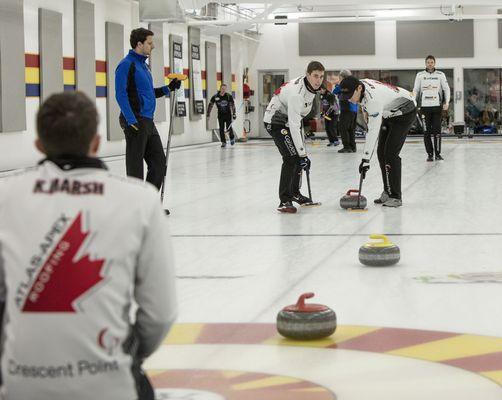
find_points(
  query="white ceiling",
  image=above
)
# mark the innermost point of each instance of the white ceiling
(241, 15)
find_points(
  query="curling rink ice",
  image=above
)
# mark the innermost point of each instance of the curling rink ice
(428, 328)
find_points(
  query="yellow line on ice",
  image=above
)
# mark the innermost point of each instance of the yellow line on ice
(265, 382)
(495, 376)
(455, 347)
(184, 334)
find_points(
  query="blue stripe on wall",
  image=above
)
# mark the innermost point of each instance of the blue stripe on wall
(100, 91)
(32, 90)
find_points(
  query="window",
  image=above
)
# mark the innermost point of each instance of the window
(482, 99)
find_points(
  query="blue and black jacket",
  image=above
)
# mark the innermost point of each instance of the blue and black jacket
(345, 105)
(134, 89)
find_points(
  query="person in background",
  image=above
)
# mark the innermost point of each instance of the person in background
(226, 113)
(432, 93)
(329, 111)
(347, 118)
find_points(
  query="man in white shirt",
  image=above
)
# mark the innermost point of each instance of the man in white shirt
(78, 247)
(391, 112)
(283, 120)
(432, 93)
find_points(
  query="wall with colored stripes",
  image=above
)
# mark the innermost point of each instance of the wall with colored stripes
(17, 147)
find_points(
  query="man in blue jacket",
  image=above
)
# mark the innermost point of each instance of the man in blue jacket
(347, 119)
(136, 96)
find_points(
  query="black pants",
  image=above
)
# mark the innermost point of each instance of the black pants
(145, 144)
(224, 120)
(390, 142)
(291, 172)
(331, 128)
(347, 129)
(432, 119)
(144, 387)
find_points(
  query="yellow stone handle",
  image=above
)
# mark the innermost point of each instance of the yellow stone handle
(384, 241)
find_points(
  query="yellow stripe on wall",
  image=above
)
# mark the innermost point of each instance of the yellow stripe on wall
(68, 77)
(100, 78)
(32, 75)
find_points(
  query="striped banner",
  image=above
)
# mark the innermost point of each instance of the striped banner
(32, 77)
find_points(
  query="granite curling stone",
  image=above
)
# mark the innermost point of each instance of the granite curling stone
(306, 321)
(383, 253)
(349, 200)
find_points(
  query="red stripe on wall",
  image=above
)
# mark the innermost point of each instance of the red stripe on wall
(218, 76)
(203, 74)
(186, 71)
(32, 60)
(100, 66)
(233, 77)
(69, 63)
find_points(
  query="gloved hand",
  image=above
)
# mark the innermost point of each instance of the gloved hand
(364, 167)
(174, 84)
(234, 116)
(305, 163)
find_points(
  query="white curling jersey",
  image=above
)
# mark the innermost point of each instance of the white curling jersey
(382, 101)
(76, 246)
(431, 88)
(289, 105)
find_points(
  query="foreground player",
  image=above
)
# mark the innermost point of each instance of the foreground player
(391, 112)
(79, 246)
(283, 119)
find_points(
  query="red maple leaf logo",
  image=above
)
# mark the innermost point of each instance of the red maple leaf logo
(61, 280)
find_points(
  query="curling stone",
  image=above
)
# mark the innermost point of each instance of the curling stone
(302, 321)
(379, 254)
(350, 200)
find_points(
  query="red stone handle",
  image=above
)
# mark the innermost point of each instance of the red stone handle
(300, 304)
(352, 191)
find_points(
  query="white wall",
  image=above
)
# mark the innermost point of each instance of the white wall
(278, 49)
(17, 150)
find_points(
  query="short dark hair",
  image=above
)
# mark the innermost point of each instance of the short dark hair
(223, 84)
(348, 86)
(429, 57)
(66, 124)
(139, 35)
(315, 66)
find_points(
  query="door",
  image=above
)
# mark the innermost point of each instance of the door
(269, 82)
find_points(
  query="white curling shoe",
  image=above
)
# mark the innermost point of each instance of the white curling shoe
(391, 202)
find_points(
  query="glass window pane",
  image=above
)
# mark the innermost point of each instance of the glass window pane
(482, 94)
